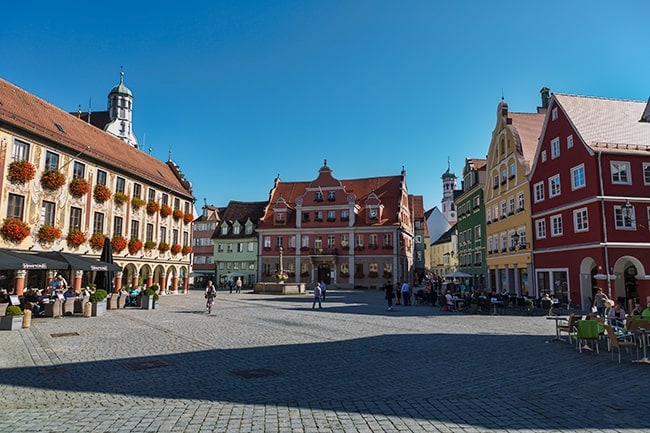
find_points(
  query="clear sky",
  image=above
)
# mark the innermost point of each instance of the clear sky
(242, 91)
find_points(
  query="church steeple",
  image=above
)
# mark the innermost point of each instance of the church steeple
(120, 113)
(448, 188)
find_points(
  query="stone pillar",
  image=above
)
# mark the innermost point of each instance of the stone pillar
(163, 283)
(78, 275)
(134, 281)
(118, 281)
(186, 283)
(149, 280)
(174, 283)
(19, 282)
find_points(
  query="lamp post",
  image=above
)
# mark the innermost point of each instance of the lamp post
(516, 238)
(626, 212)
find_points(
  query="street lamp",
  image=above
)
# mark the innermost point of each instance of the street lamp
(626, 212)
(516, 238)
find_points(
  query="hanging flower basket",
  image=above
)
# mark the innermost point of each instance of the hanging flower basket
(14, 230)
(101, 193)
(176, 248)
(48, 234)
(135, 245)
(186, 250)
(152, 207)
(120, 198)
(178, 214)
(75, 238)
(165, 210)
(188, 218)
(149, 245)
(52, 180)
(137, 203)
(79, 187)
(97, 241)
(163, 247)
(281, 276)
(118, 243)
(21, 172)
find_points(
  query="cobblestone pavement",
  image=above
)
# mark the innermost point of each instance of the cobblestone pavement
(262, 363)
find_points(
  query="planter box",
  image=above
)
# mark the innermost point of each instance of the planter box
(147, 302)
(111, 301)
(99, 308)
(9, 323)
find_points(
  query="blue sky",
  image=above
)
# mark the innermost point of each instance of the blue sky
(242, 91)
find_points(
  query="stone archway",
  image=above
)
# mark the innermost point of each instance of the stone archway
(628, 270)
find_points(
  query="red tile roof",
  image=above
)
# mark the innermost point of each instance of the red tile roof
(27, 112)
(527, 128)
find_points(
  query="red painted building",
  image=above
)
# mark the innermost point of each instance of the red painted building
(593, 158)
(356, 232)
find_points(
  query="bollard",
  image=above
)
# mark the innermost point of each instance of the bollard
(88, 309)
(27, 318)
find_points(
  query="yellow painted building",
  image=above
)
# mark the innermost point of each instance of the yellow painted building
(507, 199)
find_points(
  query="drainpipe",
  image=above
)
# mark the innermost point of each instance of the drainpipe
(602, 209)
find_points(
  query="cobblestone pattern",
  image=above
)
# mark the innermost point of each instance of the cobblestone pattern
(352, 367)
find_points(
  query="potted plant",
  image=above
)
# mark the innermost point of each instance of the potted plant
(120, 198)
(163, 247)
(118, 243)
(52, 180)
(176, 248)
(14, 230)
(48, 234)
(21, 172)
(149, 245)
(75, 238)
(186, 250)
(97, 241)
(149, 297)
(79, 187)
(98, 301)
(13, 318)
(135, 245)
(101, 193)
(530, 306)
(152, 207)
(137, 203)
(178, 214)
(165, 210)
(188, 218)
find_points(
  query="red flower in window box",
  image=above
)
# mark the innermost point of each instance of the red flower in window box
(14, 230)
(176, 248)
(137, 203)
(163, 247)
(120, 198)
(52, 180)
(165, 210)
(135, 245)
(152, 207)
(75, 238)
(149, 245)
(118, 243)
(48, 234)
(186, 250)
(21, 172)
(188, 217)
(178, 214)
(101, 193)
(97, 241)
(79, 187)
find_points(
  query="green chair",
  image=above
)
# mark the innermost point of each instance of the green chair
(587, 331)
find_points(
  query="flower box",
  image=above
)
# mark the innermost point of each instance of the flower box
(120, 198)
(118, 243)
(152, 207)
(188, 218)
(75, 238)
(186, 250)
(178, 214)
(97, 241)
(48, 234)
(79, 187)
(21, 172)
(149, 245)
(135, 245)
(165, 210)
(137, 203)
(14, 230)
(101, 193)
(163, 247)
(176, 248)
(52, 180)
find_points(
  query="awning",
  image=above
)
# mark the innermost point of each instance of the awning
(457, 274)
(11, 260)
(78, 262)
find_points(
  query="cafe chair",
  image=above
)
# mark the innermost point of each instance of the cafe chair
(587, 331)
(569, 326)
(618, 344)
(547, 305)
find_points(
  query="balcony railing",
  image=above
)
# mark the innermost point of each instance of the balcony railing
(323, 251)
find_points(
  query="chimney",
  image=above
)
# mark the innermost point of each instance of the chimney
(645, 117)
(545, 92)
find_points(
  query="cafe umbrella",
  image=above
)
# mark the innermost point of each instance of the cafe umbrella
(79, 262)
(10, 260)
(104, 279)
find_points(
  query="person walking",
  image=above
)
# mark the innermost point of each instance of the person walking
(238, 285)
(389, 295)
(323, 289)
(599, 302)
(210, 295)
(406, 294)
(317, 295)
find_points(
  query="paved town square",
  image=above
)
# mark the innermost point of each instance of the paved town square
(263, 363)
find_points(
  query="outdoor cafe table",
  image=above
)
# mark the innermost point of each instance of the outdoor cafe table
(643, 332)
(557, 326)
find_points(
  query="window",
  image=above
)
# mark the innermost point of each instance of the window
(331, 215)
(118, 224)
(554, 114)
(177, 203)
(149, 233)
(224, 229)
(75, 218)
(137, 190)
(477, 232)
(539, 191)
(163, 234)
(48, 212)
(511, 205)
(495, 213)
(240, 247)
(101, 177)
(318, 196)
(359, 241)
(305, 217)
(318, 242)
(304, 242)
(646, 173)
(331, 195)
(540, 229)
(235, 230)
(98, 222)
(520, 201)
(20, 151)
(279, 217)
(345, 242)
(554, 186)
(372, 240)
(120, 184)
(503, 209)
(620, 172)
(251, 247)
(278, 241)
(175, 236)
(543, 156)
(292, 242)
(267, 241)
(51, 161)
(15, 206)
(220, 247)
(318, 216)
(569, 142)
(388, 240)
(622, 223)
(580, 223)
(165, 198)
(556, 225)
(78, 170)
(555, 148)
(513, 170)
(504, 175)
(330, 241)
(345, 215)
(249, 229)
(495, 181)
(135, 229)
(578, 177)
(151, 195)
(418, 239)
(489, 215)
(504, 245)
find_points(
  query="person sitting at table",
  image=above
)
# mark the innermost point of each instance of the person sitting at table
(645, 314)
(450, 301)
(637, 310)
(32, 301)
(70, 293)
(616, 316)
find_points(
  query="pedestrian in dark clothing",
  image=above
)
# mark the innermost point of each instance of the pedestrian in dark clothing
(389, 295)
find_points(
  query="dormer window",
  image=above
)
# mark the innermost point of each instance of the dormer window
(224, 230)
(235, 230)
(279, 217)
(331, 196)
(318, 196)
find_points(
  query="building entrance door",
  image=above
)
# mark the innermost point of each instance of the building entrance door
(324, 273)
